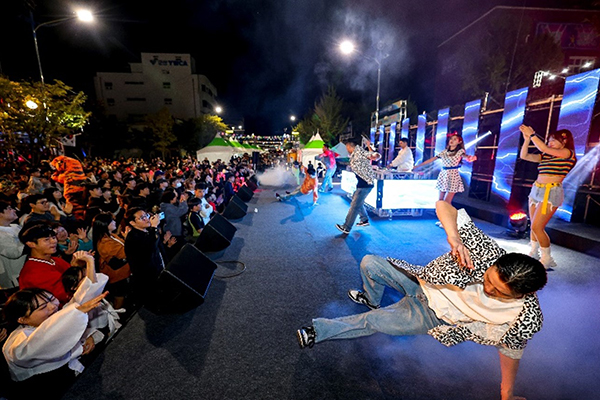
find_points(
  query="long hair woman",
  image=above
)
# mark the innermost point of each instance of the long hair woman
(111, 259)
(556, 160)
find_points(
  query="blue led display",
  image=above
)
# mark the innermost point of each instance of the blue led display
(372, 136)
(442, 130)
(576, 115)
(469, 134)
(405, 128)
(392, 142)
(381, 137)
(420, 145)
(508, 144)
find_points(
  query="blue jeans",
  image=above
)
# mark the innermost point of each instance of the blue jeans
(357, 207)
(327, 180)
(410, 316)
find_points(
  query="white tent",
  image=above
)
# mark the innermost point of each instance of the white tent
(219, 148)
(340, 148)
(313, 148)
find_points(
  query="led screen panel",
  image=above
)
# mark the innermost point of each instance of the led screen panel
(372, 136)
(348, 183)
(442, 130)
(392, 142)
(381, 136)
(508, 144)
(405, 128)
(420, 144)
(469, 134)
(409, 193)
(575, 115)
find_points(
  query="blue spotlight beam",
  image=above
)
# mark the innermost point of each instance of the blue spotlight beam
(420, 145)
(575, 115)
(392, 142)
(469, 134)
(508, 144)
(442, 130)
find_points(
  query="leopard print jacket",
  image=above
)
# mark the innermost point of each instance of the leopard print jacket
(445, 270)
(361, 164)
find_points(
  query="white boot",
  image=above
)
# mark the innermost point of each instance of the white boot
(535, 249)
(546, 258)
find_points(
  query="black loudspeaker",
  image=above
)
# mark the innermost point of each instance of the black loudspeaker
(245, 193)
(252, 184)
(216, 235)
(255, 158)
(186, 278)
(236, 209)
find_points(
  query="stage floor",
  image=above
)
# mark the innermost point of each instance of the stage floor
(241, 344)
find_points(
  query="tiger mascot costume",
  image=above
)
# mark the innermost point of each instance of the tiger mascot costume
(69, 173)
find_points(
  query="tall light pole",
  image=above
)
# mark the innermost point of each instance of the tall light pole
(82, 15)
(347, 47)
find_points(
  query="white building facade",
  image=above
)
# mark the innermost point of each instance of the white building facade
(160, 80)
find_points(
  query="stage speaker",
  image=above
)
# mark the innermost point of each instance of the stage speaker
(236, 209)
(252, 184)
(255, 158)
(186, 279)
(245, 193)
(216, 235)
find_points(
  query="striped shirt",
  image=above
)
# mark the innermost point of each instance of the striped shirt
(551, 165)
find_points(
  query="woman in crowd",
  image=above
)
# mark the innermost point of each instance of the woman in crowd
(449, 181)
(557, 158)
(112, 261)
(43, 352)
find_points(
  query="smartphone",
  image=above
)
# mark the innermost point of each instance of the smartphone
(161, 215)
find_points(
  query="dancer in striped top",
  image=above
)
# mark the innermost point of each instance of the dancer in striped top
(555, 162)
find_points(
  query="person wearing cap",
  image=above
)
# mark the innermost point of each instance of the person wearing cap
(311, 183)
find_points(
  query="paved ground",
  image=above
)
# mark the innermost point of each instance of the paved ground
(240, 343)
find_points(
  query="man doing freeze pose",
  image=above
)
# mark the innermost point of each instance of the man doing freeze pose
(476, 292)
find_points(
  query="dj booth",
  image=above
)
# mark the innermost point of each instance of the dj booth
(395, 193)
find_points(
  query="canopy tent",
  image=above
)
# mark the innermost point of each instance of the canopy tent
(219, 148)
(238, 148)
(340, 148)
(313, 148)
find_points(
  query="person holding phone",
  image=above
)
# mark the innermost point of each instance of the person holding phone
(174, 207)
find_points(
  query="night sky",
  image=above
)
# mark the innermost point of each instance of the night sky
(267, 59)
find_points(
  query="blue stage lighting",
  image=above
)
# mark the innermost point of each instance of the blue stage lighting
(469, 133)
(442, 130)
(392, 142)
(420, 145)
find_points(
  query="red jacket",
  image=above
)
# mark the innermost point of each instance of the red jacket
(38, 274)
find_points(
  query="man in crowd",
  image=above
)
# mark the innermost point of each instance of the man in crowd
(476, 292)
(360, 162)
(404, 161)
(40, 209)
(11, 248)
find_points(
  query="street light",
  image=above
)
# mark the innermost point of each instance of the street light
(347, 47)
(82, 15)
(293, 118)
(218, 109)
(32, 105)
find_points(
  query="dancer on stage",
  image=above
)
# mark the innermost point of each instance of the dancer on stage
(476, 292)
(328, 159)
(555, 162)
(449, 181)
(360, 162)
(310, 184)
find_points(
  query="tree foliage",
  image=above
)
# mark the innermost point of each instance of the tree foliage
(326, 118)
(54, 111)
(495, 70)
(161, 126)
(196, 133)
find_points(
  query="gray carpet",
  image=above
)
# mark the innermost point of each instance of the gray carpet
(240, 344)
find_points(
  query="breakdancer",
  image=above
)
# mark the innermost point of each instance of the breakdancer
(476, 292)
(310, 184)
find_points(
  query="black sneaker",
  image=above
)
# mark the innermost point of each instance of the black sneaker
(359, 297)
(342, 229)
(278, 197)
(306, 336)
(363, 223)
(288, 192)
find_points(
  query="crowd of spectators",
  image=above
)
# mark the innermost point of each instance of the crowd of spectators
(65, 276)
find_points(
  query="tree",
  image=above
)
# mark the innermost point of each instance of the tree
(326, 118)
(495, 70)
(161, 125)
(45, 113)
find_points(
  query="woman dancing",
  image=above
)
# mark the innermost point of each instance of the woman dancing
(449, 181)
(555, 162)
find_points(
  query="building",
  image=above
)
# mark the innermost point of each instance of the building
(494, 40)
(159, 80)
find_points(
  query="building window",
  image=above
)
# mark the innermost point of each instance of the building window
(166, 85)
(578, 64)
(204, 88)
(205, 104)
(134, 83)
(110, 102)
(168, 102)
(108, 85)
(211, 93)
(136, 99)
(165, 72)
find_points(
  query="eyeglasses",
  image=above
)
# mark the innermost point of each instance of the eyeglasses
(144, 217)
(42, 202)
